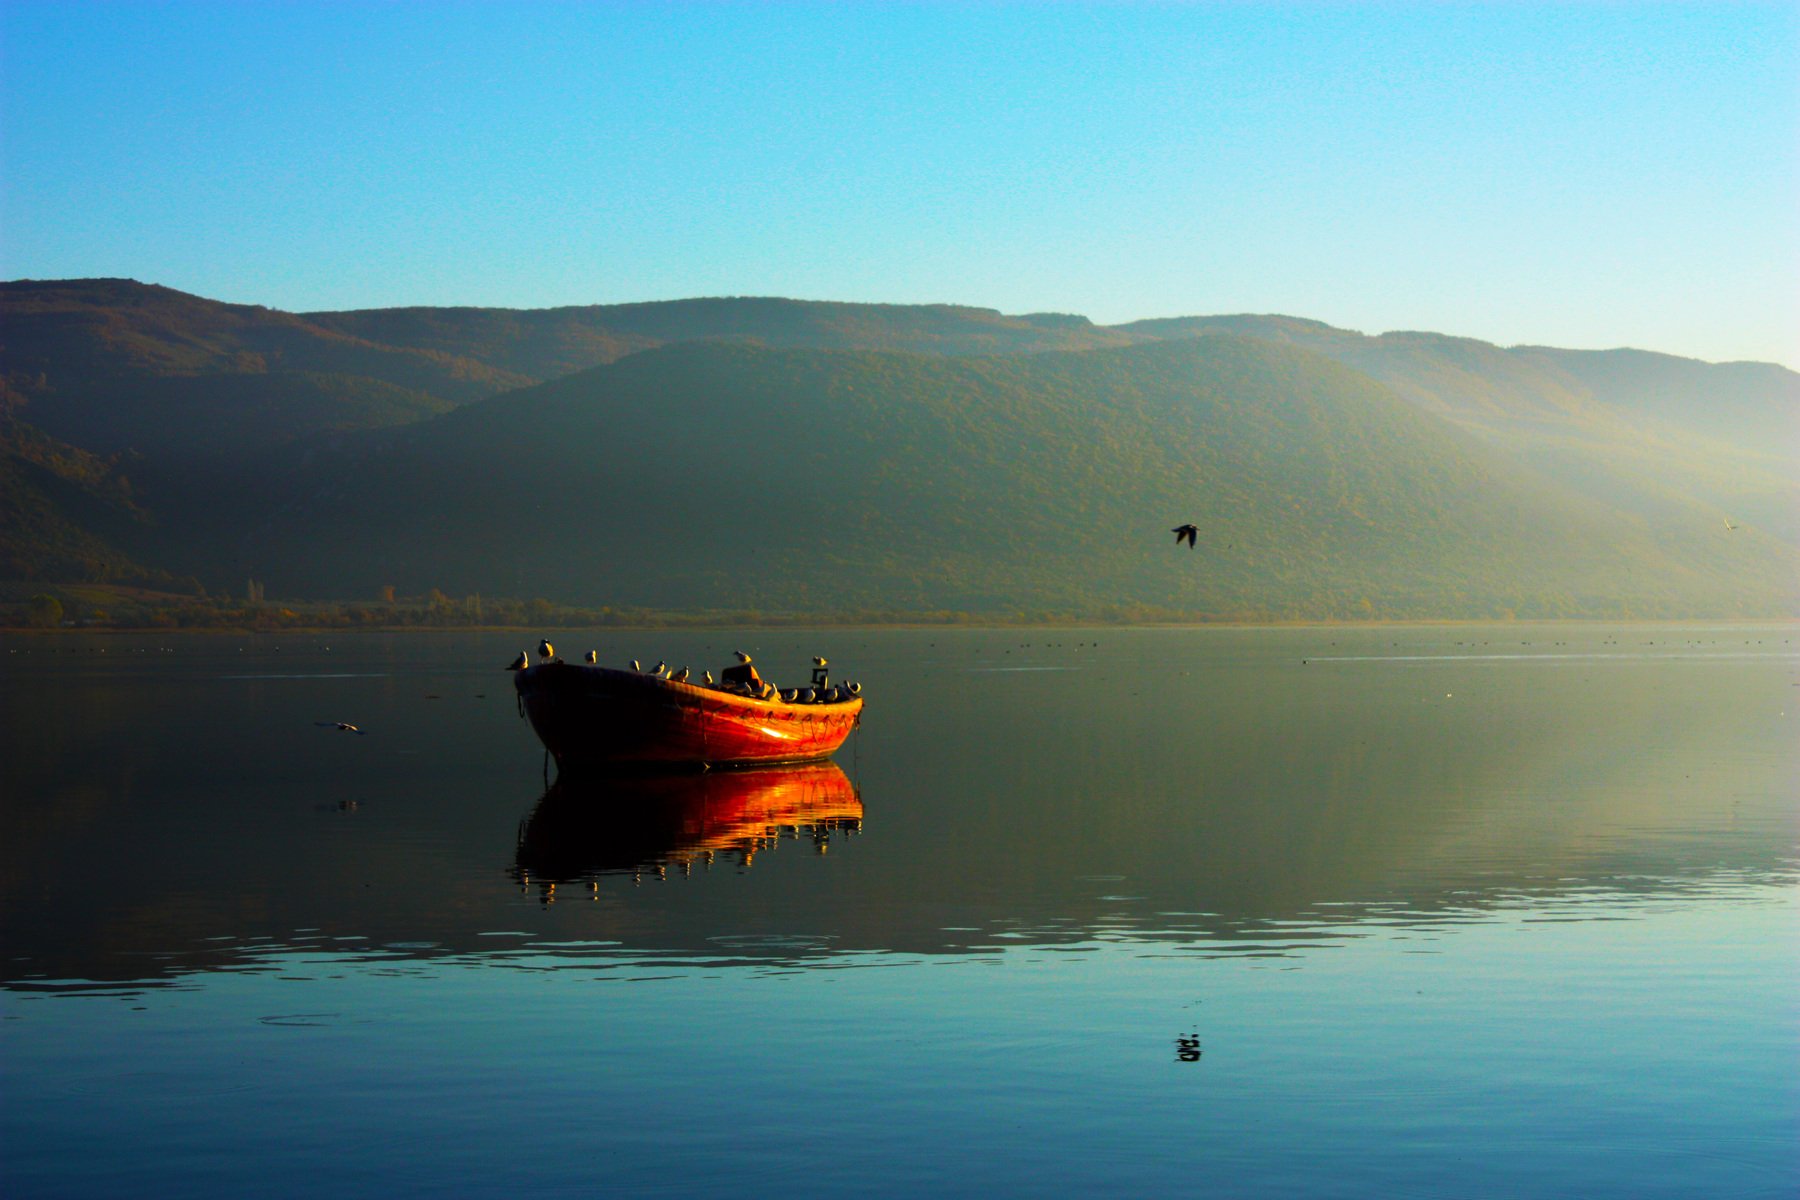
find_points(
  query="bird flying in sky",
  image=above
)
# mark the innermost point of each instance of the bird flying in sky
(1186, 533)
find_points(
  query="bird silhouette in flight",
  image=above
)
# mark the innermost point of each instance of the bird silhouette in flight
(1186, 533)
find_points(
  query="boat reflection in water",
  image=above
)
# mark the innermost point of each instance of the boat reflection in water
(591, 825)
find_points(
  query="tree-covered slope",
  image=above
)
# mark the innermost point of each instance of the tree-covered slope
(68, 514)
(734, 476)
(942, 457)
(1651, 432)
(114, 365)
(1752, 406)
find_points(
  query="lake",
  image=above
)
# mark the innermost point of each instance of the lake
(1496, 911)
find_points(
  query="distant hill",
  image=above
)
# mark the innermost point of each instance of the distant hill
(893, 457)
(1751, 406)
(1602, 422)
(115, 365)
(732, 476)
(66, 510)
(546, 343)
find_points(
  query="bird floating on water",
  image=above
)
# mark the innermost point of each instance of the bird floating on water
(521, 662)
(343, 726)
(1186, 533)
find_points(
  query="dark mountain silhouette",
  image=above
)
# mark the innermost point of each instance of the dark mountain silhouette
(801, 456)
(115, 365)
(546, 343)
(66, 510)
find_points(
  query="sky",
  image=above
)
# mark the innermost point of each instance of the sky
(1585, 175)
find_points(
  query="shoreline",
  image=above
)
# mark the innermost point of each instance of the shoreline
(972, 625)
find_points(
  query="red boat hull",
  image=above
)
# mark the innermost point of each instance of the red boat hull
(593, 717)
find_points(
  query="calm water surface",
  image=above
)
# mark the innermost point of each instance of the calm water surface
(1449, 912)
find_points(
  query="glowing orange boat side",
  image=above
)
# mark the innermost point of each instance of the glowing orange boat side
(591, 716)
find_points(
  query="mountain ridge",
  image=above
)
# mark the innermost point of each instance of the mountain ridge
(228, 418)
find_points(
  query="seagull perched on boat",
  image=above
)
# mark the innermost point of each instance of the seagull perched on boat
(593, 658)
(706, 678)
(679, 676)
(1186, 533)
(637, 666)
(790, 695)
(344, 726)
(819, 662)
(855, 689)
(743, 659)
(545, 650)
(661, 669)
(521, 662)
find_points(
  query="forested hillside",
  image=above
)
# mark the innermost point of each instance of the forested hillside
(114, 365)
(724, 476)
(799, 456)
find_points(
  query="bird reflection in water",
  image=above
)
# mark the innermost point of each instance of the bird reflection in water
(586, 827)
(1187, 1048)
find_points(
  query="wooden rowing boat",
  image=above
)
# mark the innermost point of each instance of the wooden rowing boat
(593, 717)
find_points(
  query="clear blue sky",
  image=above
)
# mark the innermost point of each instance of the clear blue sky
(1581, 175)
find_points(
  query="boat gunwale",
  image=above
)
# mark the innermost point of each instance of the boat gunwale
(695, 695)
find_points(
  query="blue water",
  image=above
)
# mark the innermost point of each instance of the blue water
(1444, 912)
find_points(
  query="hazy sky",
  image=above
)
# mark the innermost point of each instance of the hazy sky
(1580, 175)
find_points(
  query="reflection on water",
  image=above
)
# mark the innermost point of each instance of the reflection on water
(1223, 792)
(631, 823)
(1306, 911)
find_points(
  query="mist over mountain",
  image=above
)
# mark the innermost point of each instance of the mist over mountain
(731, 476)
(778, 456)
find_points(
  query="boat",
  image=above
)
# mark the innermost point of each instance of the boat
(592, 717)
